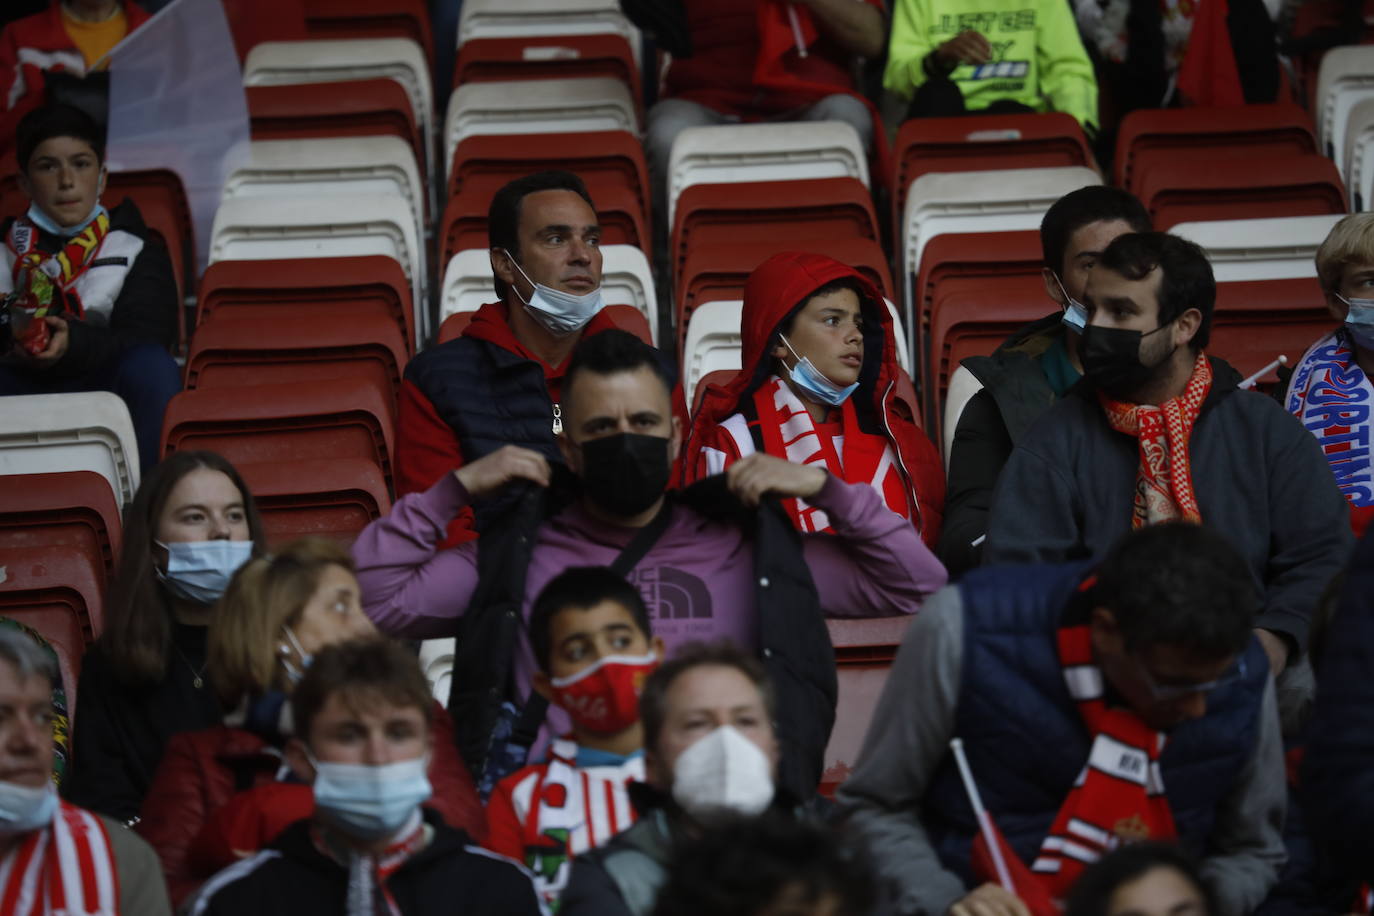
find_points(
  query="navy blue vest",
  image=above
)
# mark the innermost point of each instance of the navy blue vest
(490, 397)
(1026, 742)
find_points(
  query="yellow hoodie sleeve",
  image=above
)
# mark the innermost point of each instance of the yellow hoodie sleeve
(1066, 74)
(908, 47)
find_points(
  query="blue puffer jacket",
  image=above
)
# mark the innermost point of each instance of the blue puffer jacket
(1025, 741)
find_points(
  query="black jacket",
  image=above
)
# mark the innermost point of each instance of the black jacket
(1015, 393)
(293, 878)
(794, 643)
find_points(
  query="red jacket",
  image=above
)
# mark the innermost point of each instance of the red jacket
(774, 289)
(30, 46)
(215, 799)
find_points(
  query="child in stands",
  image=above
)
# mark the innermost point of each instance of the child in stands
(591, 637)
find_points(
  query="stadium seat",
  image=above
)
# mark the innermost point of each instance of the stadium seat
(1257, 320)
(350, 108)
(734, 153)
(57, 591)
(334, 498)
(75, 509)
(997, 201)
(1260, 249)
(1196, 134)
(467, 283)
(452, 327)
(864, 652)
(330, 289)
(248, 229)
(89, 431)
(712, 343)
(232, 352)
(1346, 79)
(162, 201)
(975, 256)
(618, 211)
(503, 19)
(1187, 190)
(980, 142)
(436, 660)
(716, 378)
(813, 210)
(963, 385)
(254, 21)
(333, 418)
(371, 19)
(332, 166)
(1359, 156)
(543, 57)
(603, 159)
(522, 107)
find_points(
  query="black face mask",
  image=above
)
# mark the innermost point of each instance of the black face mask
(623, 474)
(1111, 359)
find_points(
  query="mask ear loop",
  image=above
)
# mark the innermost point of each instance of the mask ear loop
(532, 284)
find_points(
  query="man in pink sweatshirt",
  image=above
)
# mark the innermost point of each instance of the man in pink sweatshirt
(698, 578)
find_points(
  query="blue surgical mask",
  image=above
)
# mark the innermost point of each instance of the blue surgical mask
(24, 809)
(45, 222)
(813, 382)
(200, 571)
(1075, 313)
(293, 673)
(370, 803)
(1360, 320)
(560, 313)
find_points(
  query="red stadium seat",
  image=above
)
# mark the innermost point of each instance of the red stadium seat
(333, 418)
(1257, 320)
(256, 21)
(720, 271)
(349, 108)
(812, 210)
(1148, 136)
(329, 289)
(464, 223)
(864, 652)
(1187, 190)
(231, 352)
(334, 498)
(716, 377)
(75, 509)
(538, 57)
(981, 142)
(57, 591)
(454, 326)
(371, 19)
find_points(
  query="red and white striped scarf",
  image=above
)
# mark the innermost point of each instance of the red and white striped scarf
(789, 432)
(67, 867)
(1164, 481)
(1119, 796)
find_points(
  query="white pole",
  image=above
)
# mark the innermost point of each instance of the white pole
(796, 30)
(1254, 379)
(984, 821)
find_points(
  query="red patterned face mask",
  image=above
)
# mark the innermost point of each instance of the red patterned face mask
(604, 698)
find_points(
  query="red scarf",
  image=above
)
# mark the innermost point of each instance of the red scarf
(1164, 482)
(66, 867)
(1119, 796)
(35, 273)
(789, 432)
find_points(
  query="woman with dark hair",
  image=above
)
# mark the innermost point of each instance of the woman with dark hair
(190, 527)
(1142, 879)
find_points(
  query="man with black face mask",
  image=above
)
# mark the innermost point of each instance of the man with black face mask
(1158, 431)
(703, 574)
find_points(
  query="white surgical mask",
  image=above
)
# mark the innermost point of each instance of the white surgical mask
(813, 382)
(724, 771)
(24, 809)
(560, 313)
(1075, 313)
(370, 803)
(1359, 321)
(200, 571)
(293, 674)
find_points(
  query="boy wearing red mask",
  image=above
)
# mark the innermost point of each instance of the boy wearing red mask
(590, 633)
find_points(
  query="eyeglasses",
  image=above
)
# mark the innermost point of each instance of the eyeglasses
(1167, 692)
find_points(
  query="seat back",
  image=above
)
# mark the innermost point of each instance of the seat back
(1346, 78)
(377, 107)
(712, 344)
(864, 653)
(1281, 186)
(75, 509)
(87, 431)
(1260, 249)
(1359, 156)
(539, 57)
(1256, 321)
(334, 498)
(371, 19)
(530, 18)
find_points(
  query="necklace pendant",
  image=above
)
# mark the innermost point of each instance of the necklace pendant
(197, 683)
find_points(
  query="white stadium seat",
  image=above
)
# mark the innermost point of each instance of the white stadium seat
(963, 385)
(734, 153)
(507, 19)
(1260, 249)
(87, 431)
(467, 283)
(1359, 156)
(713, 342)
(1346, 78)
(436, 661)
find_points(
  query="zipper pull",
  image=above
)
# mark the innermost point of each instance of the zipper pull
(557, 420)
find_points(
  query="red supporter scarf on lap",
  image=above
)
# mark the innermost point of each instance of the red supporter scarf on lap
(789, 432)
(1164, 482)
(36, 272)
(67, 867)
(1119, 796)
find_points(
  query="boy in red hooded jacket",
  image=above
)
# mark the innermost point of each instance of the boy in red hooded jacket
(819, 386)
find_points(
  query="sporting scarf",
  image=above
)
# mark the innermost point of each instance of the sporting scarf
(367, 893)
(1332, 397)
(565, 810)
(1164, 482)
(1119, 795)
(39, 274)
(66, 867)
(789, 432)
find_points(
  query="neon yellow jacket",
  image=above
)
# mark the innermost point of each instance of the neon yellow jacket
(1037, 56)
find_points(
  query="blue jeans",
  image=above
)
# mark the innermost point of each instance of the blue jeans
(145, 376)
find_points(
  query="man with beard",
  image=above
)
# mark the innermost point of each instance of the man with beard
(708, 565)
(1158, 431)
